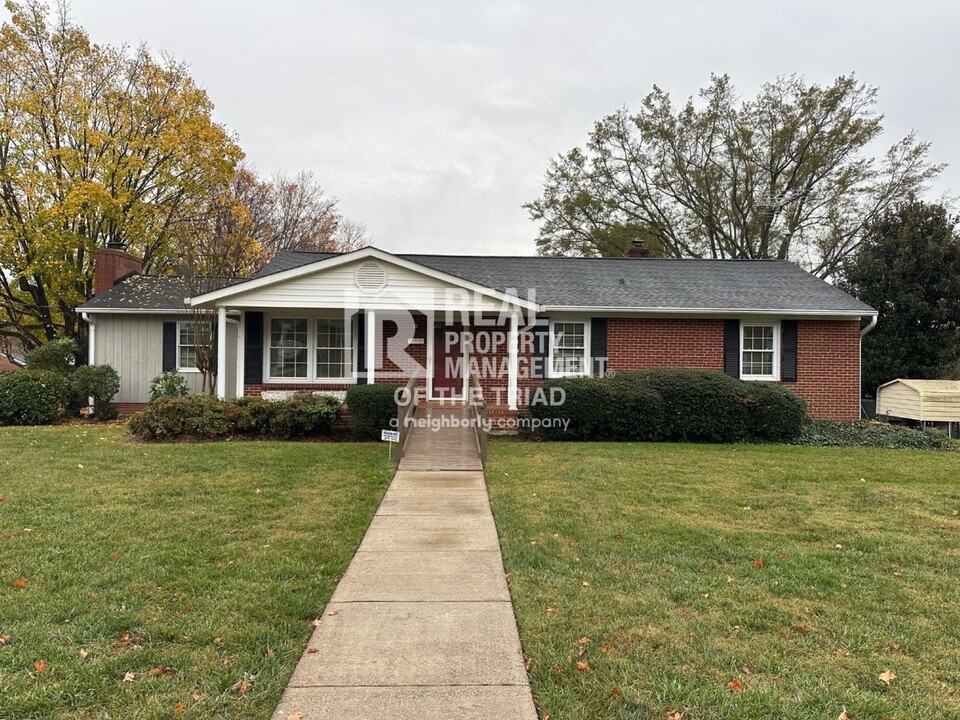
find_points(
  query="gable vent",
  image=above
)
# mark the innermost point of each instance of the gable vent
(371, 276)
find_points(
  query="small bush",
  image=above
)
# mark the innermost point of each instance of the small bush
(304, 415)
(100, 382)
(202, 417)
(168, 384)
(58, 356)
(32, 397)
(871, 434)
(672, 405)
(372, 408)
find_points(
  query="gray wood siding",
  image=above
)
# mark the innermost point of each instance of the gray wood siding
(133, 345)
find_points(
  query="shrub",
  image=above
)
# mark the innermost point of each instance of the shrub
(600, 409)
(58, 356)
(372, 408)
(168, 384)
(170, 418)
(304, 415)
(100, 382)
(672, 405)
(32, 397)
(871, 434)
(204, 417)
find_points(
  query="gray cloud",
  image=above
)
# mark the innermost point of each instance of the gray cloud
(434, 121)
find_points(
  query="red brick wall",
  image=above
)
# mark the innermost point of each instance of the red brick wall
(828, 356)
(110, 266)
(639, 344)
(6, 365)
(828, 368)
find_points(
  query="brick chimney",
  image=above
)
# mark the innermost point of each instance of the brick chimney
(111, 264)
(637, 250)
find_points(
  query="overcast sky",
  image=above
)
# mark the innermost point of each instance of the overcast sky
(434, 121)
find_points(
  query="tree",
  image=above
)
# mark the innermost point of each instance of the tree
(908, 267)
(97, 144)
(785, 175)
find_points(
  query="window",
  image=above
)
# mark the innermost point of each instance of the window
(191, 336)
(568, 348)
(758, 351)
(333, 350)
(310, 349)
(288, 348)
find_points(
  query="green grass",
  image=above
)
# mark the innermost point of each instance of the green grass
(207, 559)
(648, 551)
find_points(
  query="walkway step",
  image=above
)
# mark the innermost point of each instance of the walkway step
(421, 626)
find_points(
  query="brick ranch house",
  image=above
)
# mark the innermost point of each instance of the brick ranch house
(324, 322)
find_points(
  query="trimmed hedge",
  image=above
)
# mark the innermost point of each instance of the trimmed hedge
(33, 397)
(671, 405)
(372, 408)
(872, 434)
(202, 417)
(101, 382)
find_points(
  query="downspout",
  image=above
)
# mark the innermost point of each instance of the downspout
(91, 351)
(863, 331)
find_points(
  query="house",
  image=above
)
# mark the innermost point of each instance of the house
(324, 322)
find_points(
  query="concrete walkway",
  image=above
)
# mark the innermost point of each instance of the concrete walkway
(421, 625)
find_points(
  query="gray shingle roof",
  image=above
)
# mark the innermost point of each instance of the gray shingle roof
(649, 284)
(151, 292)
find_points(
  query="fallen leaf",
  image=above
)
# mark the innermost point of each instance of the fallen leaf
(115, 557)
(4, 639)
(333, 613)
(838, 546)
(746, 670)
(802, 628)
(898, 574)
(667, 569)
(844, 715)
(296, 715)
(3, 498)
(895, 646)
(315, 622)
(886, 677)
(271, 653)
(955, 513)
(82, 653)
(129, 677)
(527, 663)
(783, 557)
(583, 666)
(729, 579)
(842, 652)
(40, 666)
(735, 686)
(585, 583)
(556, 669)
(552, 611)
(616, 693)
(584, 641)
(197, 697)
(618, 535)
(606, 648)
(216, 641)
(312, 651)
(758, 563)
(241, 687)
(158, 671)
(546, 716)
(508, 576)
(20, 583)
(179, 708)
(189, 608)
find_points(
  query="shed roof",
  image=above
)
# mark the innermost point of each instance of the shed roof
(930, 387)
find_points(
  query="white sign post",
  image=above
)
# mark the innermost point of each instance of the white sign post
(390, 437)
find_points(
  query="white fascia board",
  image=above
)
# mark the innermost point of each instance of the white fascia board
(361, 254)
(728, 312)
(147, 311)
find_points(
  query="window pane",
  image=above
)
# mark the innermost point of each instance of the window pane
(288, 333)
(333, 349)
(758, 350)
(188, 357)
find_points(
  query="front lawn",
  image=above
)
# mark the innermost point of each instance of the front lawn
(708, 581)
(157, 581)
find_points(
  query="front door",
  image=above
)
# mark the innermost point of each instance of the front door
(448, 361)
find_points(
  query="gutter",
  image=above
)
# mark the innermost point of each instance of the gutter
(870, 326)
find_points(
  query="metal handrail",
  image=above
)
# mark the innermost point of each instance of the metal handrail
(405, 411)
(478, 407)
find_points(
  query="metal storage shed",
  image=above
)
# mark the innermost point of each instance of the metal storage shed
(929, 402)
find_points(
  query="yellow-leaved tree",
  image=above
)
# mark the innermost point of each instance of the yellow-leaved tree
(98, 144)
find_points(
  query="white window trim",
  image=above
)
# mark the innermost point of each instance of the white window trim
(184, 369)
(754, 322)
(587, 356)
(311, 377)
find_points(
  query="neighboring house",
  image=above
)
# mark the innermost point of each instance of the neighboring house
(324, 322)
(5, 364)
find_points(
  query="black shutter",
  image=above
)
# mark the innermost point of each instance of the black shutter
(598, 346)
(253, 348)
(541, 349)
(169, 354)
(788, 350)
(731, 348)
(361, 348)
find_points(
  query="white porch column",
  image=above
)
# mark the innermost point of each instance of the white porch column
(371, 344)
(241, 345)
(513, 361)
(222, 353)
